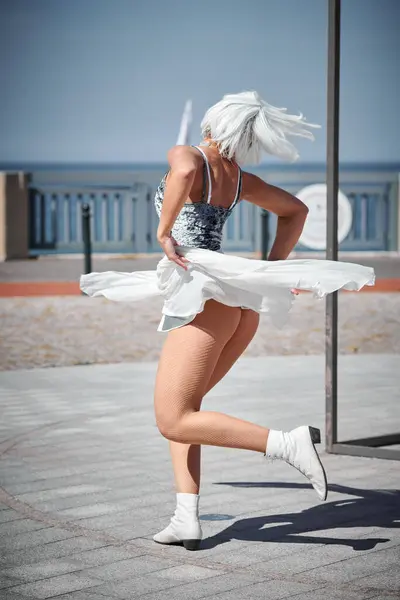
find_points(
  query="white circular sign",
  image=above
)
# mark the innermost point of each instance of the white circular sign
(314, 232)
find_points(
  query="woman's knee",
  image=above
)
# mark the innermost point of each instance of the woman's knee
(171, 430)
(167, 426)
(171, 425)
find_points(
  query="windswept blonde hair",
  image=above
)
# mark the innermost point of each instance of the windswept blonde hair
(244, 126)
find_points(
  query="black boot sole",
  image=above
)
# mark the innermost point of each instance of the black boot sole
(188, 544)
(315, 435)
(191, 544)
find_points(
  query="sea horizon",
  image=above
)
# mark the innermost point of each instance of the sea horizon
(29, 166)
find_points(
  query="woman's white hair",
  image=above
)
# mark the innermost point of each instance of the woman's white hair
(244, 126)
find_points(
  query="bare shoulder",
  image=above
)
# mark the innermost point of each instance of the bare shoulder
(270, 197)
(252, 185)
(184, 157)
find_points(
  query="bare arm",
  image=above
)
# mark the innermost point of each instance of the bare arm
(291, 212)
(184, 162)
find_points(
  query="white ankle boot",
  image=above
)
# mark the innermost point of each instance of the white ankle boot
(297, 449)
(185, 525)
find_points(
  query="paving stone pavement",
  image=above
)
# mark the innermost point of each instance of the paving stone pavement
(86, 481)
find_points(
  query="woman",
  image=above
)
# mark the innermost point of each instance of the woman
(212, 301)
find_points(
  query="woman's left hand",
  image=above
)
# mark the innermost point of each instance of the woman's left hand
(168, 244)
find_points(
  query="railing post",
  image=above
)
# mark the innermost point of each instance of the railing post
(264, 234)
(87, 241)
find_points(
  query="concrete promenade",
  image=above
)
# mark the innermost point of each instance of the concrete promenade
(86, 481)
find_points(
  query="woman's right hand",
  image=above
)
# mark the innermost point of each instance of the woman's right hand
(169, 245)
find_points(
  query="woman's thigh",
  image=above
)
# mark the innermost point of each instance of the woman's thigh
(188, 359)
(238, 343)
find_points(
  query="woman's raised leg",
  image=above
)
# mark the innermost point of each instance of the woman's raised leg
(188, 359)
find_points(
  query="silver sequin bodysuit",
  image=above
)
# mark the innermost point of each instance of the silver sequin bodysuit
(200, 224)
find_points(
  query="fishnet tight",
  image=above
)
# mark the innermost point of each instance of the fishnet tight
(193, 360)
(186, 458)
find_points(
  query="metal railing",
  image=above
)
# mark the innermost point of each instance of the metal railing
(124, 219)
(56, 219)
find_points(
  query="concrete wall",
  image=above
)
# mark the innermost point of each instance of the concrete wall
(13, 216)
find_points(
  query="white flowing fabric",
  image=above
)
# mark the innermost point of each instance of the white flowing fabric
(232, 280)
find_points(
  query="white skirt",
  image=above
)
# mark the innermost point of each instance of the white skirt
(232, 280)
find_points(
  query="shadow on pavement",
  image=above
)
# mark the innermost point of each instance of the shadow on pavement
(368, 508)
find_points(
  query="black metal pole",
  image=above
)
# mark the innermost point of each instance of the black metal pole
(87, 242)
(332, 179)
(264, 234)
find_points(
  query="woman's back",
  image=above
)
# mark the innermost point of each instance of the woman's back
(224, 175)
(214, 193)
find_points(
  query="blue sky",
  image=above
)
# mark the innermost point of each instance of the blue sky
(106, 81)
